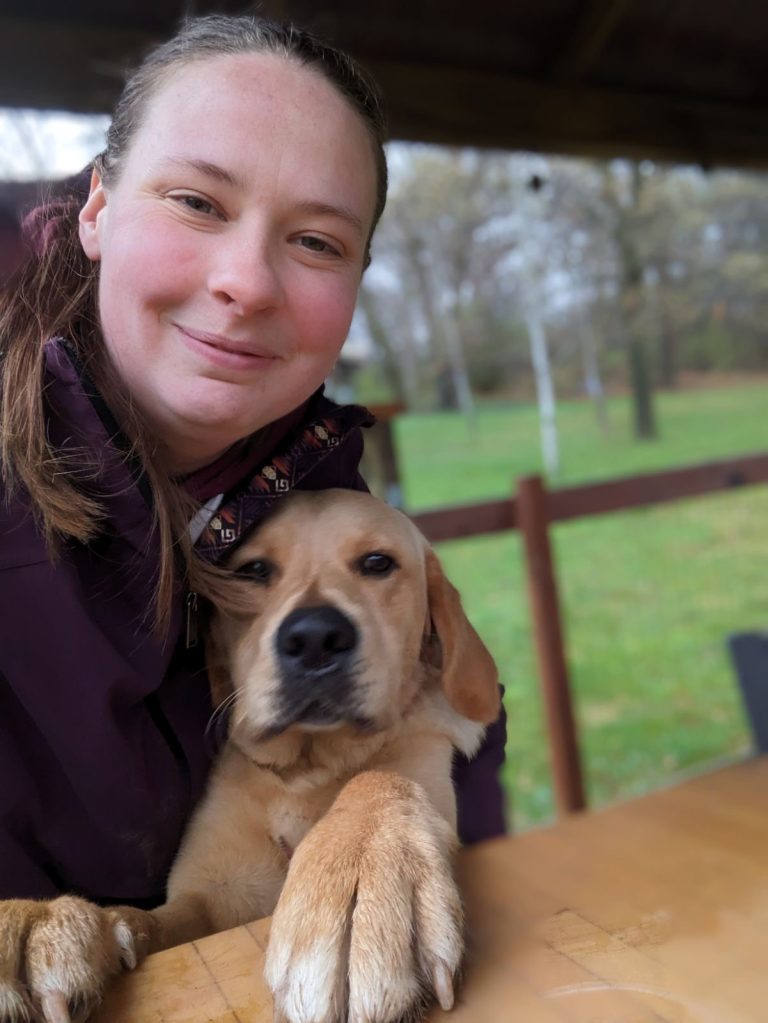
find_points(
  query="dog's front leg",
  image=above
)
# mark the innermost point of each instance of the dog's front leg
(369, 923)
(212, 890)
(229, 869)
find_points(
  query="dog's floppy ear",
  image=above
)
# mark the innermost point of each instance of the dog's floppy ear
(469, 674)
(219, 679)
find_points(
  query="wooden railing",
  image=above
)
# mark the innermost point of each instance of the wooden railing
(532, 510)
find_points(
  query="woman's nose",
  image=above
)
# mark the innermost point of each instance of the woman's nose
(244, 273)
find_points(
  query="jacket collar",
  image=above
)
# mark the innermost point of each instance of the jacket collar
(81, 422)
(327, 426)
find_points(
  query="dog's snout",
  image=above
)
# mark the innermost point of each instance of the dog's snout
(313, 638)
(317, 648)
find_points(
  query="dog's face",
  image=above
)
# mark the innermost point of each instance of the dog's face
(342, 598)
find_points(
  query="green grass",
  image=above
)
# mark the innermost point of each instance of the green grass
(649, 596)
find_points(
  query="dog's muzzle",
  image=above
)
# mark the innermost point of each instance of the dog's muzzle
(316, 650)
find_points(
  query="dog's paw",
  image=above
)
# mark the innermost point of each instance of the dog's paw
(56, 957)
(368, 928)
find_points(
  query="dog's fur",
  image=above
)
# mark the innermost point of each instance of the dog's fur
(352, 673)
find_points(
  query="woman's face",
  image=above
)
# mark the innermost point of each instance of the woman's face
(231, 248)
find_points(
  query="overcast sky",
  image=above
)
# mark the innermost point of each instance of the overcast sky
(38, 144)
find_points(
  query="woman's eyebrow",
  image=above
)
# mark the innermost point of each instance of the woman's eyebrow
(211, 170)
(324, 209)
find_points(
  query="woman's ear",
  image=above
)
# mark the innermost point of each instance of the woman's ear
(90, 219)
(469, 676)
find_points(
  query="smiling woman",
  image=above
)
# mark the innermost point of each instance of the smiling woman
(227, 290)
(163, 355)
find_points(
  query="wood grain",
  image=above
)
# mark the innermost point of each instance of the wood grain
(652, 910)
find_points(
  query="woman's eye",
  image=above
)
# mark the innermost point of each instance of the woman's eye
(196, 204)
(259, 571)
(319, 245)
(377, 563)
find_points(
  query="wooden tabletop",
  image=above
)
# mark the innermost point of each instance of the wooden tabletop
(652, 910)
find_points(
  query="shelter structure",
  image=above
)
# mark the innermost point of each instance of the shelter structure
(669, 80)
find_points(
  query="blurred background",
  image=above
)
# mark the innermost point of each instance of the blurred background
(571, 279)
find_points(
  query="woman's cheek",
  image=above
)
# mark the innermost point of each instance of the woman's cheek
(328, 316)
(150, 243)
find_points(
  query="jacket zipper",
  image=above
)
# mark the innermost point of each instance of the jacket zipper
(192, 619)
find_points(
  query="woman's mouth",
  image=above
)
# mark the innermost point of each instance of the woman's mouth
(225, 352)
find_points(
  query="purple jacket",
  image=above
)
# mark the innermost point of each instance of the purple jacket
(103, 748)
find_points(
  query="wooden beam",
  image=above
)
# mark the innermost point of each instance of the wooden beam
(656, 487)
(598, 20)
(467, 520)
(587, 499)
(494, 110)
(65, 66)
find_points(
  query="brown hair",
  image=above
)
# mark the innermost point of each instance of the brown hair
(54, 294)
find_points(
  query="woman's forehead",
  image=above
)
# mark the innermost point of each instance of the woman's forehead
(239, 111)
(261, 84)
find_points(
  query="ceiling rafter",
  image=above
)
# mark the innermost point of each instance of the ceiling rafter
(587, 39)
(703, 98)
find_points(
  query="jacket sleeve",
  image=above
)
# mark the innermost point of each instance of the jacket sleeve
(479, 795)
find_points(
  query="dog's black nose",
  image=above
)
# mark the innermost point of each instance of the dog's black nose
(315, 640)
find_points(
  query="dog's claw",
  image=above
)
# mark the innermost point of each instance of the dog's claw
(442, 981)
(125, 943)
(55, 1007)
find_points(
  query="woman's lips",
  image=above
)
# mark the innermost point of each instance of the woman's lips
(224, 352)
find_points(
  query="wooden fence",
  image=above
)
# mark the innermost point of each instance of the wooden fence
(532, 510)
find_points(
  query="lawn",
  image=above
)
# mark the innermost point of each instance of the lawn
(649, 595)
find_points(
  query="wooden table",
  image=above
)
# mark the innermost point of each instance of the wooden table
(652, 910)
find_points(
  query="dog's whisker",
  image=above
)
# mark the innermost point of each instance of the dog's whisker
(219, 712)
(218, 724)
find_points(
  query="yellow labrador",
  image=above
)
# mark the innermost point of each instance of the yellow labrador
(352, 675)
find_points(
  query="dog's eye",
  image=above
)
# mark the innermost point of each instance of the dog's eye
(260, 570)
(376, 564)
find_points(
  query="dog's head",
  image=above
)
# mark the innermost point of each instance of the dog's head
(343, 612)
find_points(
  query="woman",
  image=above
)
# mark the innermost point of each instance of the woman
(163, 350)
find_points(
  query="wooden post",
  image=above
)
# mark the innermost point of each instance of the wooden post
(381, 469)
(533, 520)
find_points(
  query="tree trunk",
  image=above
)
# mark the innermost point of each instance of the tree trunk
(667, 358)
(593, 381)
(545, 393)
(446, 327)
(459, 375)
(399, 366)
(640, 380)
(642, 394)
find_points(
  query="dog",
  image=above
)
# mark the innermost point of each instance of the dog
(351, 673)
